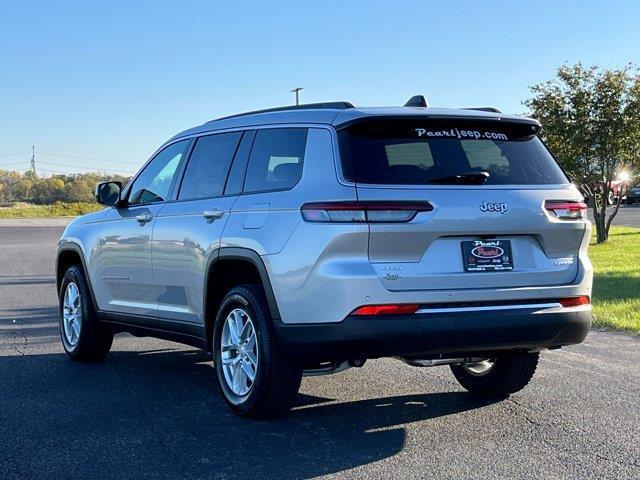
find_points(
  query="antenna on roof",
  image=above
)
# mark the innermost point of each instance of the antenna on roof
(416, 101)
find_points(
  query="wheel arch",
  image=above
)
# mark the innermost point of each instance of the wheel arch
(69, 254)
(228, 267)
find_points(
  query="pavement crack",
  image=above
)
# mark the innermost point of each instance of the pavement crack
(19, 341)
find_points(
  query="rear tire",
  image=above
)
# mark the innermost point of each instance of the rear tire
(507, 375)
(83, 337)
(276, 380)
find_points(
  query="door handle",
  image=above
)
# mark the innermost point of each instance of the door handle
(213, 214)
(144, 218)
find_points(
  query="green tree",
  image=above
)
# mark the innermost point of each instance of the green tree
(591, 121)
(73, 188)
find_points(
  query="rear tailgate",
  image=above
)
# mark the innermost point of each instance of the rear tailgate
(486, 182)
(426, 253)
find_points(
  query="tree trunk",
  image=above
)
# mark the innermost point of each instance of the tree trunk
(600, 200)
(612, 216)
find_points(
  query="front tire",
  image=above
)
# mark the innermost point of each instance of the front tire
(83, 337)
(497, 377)
(255, 377)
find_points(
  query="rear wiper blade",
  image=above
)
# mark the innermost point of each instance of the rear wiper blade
(468, 178)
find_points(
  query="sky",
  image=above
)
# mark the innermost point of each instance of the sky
(100, 85)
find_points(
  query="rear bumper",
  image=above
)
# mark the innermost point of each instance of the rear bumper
(436, 334)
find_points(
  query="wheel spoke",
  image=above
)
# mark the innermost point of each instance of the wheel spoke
(76, 328)
(252, 359)
(239, 378)
(73, 295)
(248, 370)
(251, 342)
(234, 328)
(247, 331)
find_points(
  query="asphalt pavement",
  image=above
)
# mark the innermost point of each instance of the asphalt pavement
(628, 215)
(151, 410)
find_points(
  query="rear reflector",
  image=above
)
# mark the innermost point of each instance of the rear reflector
(406, 309)
(375, 212)
(566, 210)
(575, 301)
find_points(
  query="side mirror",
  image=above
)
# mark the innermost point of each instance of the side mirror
(108, 193)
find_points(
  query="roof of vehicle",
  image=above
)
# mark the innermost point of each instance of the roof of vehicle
(340, 114)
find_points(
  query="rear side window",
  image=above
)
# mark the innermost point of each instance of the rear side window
(208, 166)
(412, 153)
(276, 159)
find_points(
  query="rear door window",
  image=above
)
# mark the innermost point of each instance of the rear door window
(276, 159)
(412, 153)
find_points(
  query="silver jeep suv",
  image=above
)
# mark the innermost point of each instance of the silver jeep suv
(305, 240)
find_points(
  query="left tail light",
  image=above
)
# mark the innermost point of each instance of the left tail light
(362, 212)
(566, 210)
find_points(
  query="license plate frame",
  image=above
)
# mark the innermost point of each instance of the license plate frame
(487, 255)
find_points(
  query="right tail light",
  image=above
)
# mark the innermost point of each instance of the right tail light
(575, 301)
(566, 210)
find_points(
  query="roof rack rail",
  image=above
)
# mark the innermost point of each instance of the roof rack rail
(306, 106)
(483, 109)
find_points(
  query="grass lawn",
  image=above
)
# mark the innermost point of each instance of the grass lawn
(60, 209)
(616, 289)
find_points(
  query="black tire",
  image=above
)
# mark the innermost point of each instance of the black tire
(94, 340)
(277, 379)
(509, 374)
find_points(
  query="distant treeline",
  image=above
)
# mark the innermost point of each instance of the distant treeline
(27, 187)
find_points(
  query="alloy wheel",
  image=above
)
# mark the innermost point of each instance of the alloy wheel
(239, 352)
(72, 314)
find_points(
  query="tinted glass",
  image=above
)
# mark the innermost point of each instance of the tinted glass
(414, 154)
(208, 166)
(276, 159)
(235, 179)
(155, 182)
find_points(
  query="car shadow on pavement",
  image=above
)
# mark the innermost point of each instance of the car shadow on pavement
(157, 414)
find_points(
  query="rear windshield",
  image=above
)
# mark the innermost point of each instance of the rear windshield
(417, 153)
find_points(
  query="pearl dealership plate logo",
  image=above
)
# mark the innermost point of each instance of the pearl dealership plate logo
(484, 251)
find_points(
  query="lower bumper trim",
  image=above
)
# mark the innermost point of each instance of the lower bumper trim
(437, 333)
